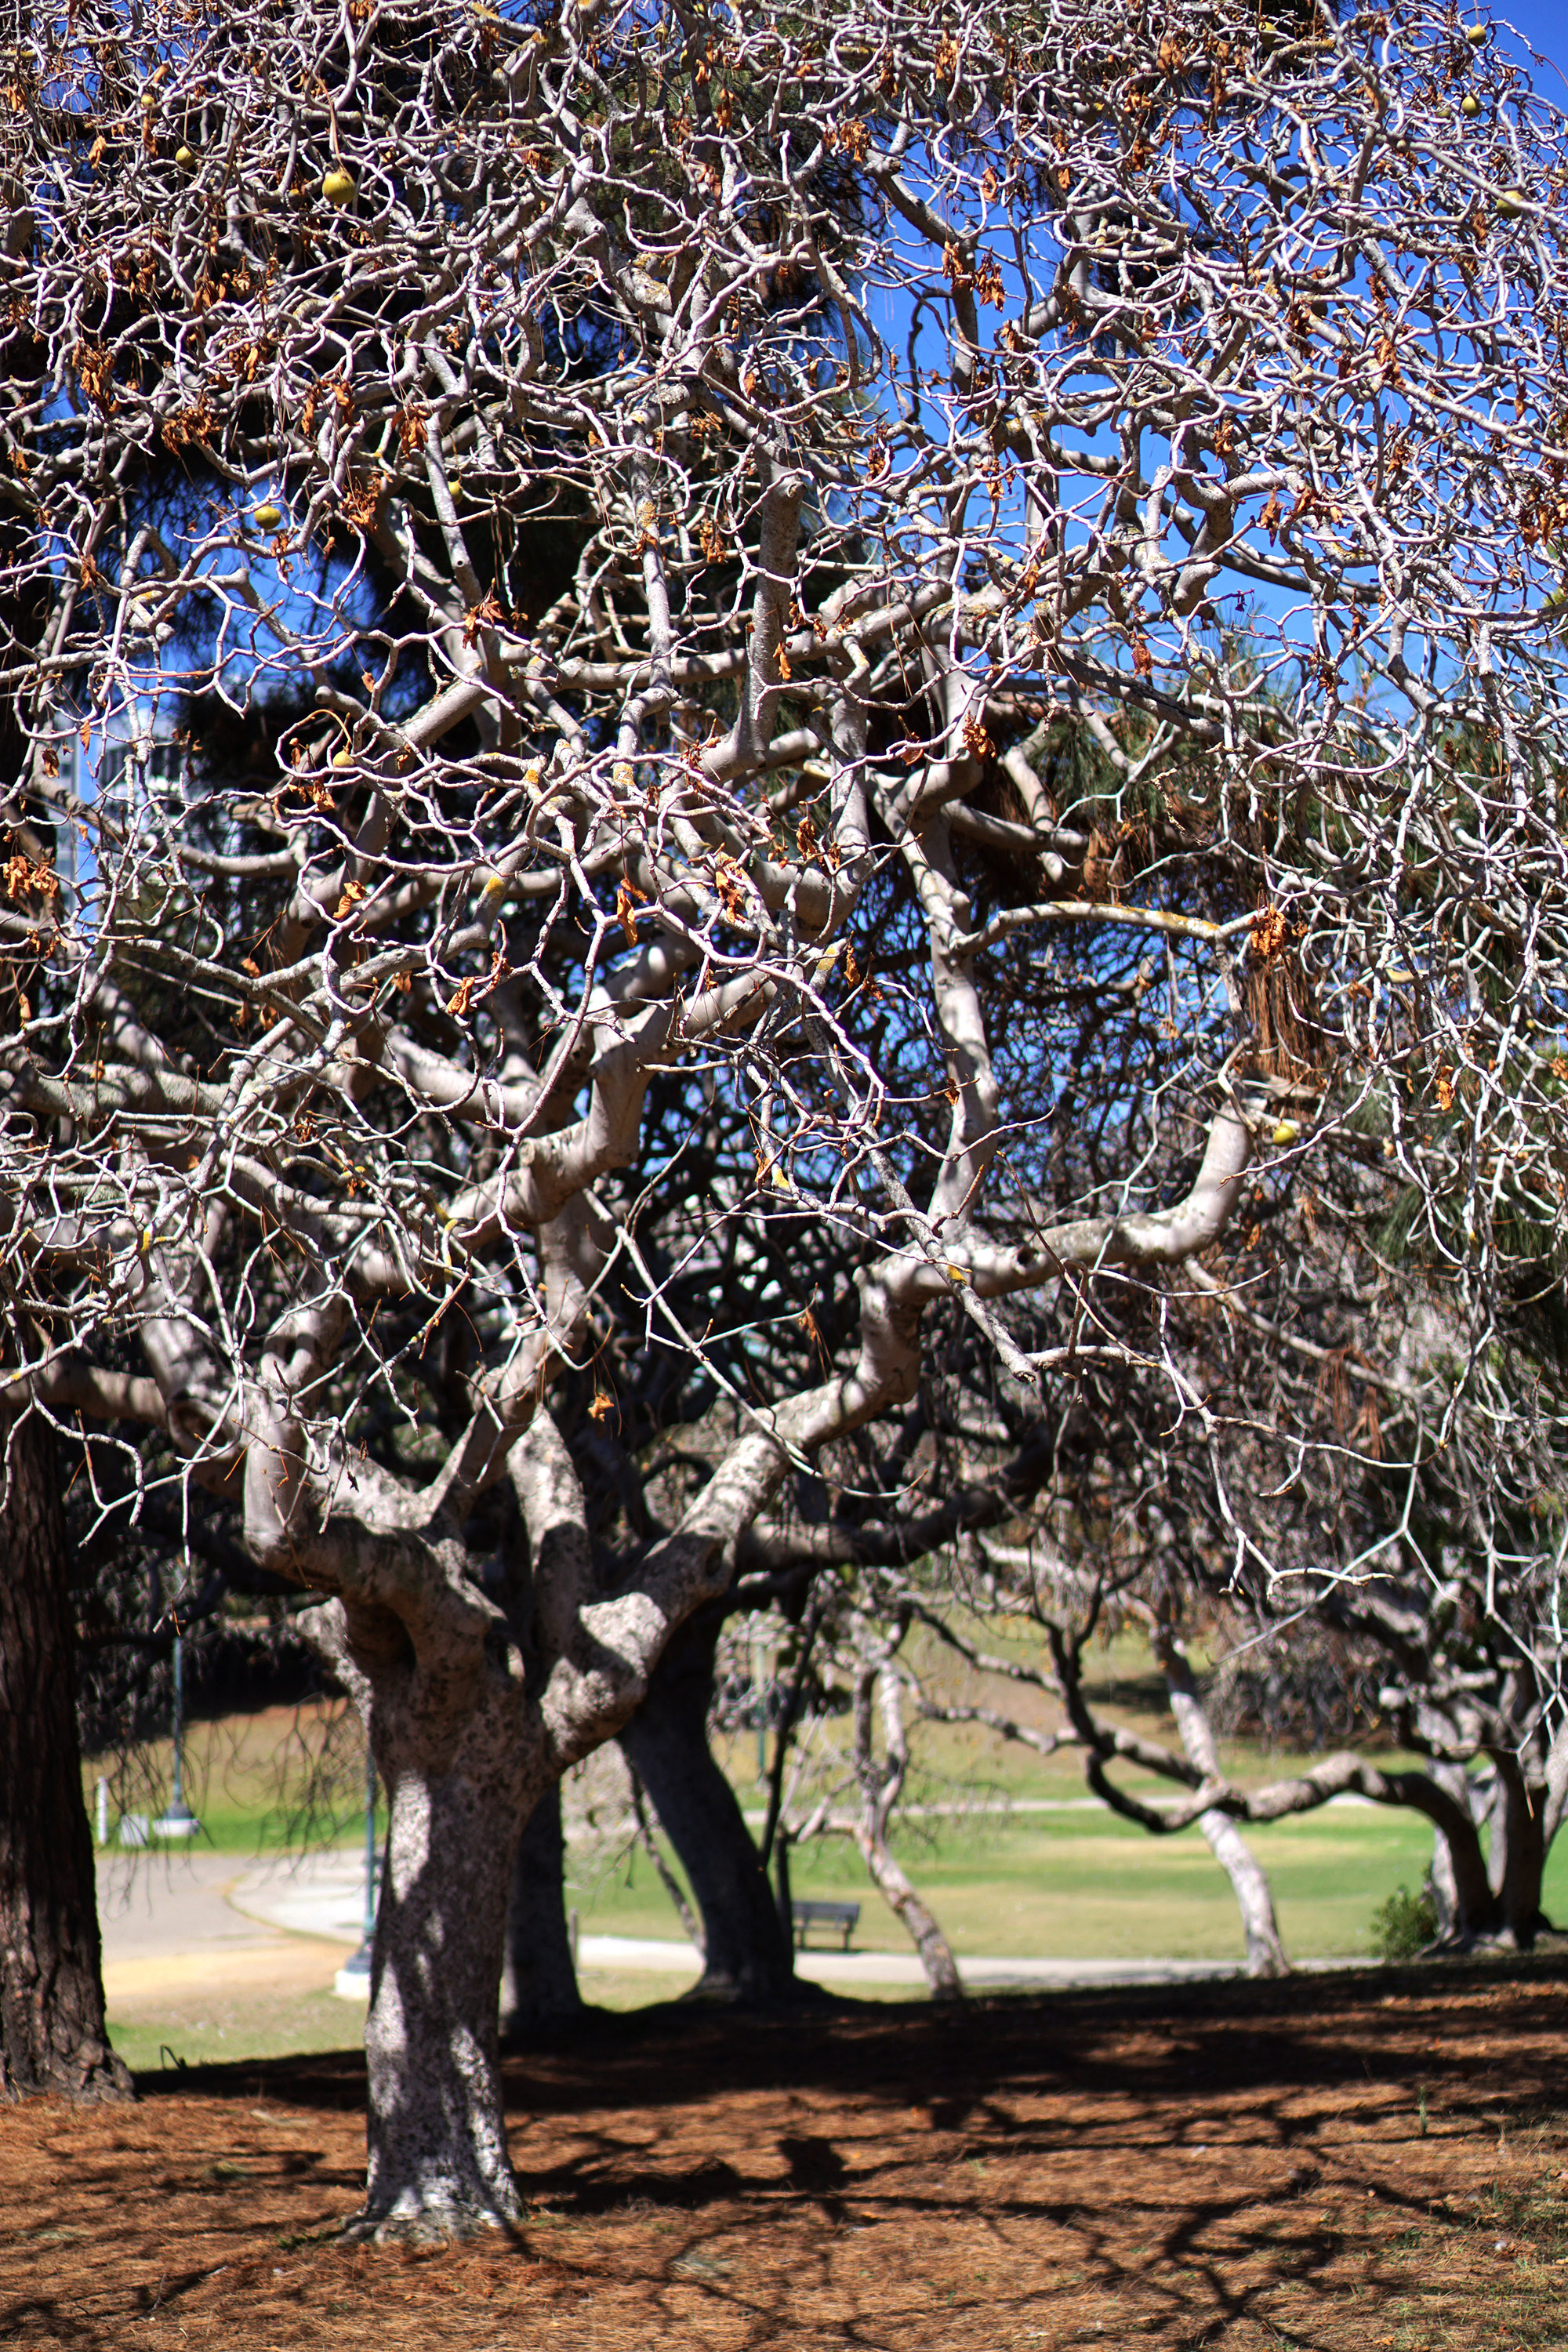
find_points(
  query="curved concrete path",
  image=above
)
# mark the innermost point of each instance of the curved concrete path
(169, 1926)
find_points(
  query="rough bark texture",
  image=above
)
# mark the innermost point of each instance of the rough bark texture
(1466, 1882)
(459, 1793)
(1443, 1887)
(749, 1953)
(539, 1983)
(436, 2133)
(52, 2035)
(470, 1726)
(1459, 1881)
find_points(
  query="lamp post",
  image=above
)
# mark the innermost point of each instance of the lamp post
(352, 1980)
(178, 1820)
(760, 1708)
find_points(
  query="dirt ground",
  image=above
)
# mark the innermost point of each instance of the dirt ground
(1373, 2162)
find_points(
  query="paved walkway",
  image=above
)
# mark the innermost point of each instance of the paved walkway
(169, 1925)
(152, 1903)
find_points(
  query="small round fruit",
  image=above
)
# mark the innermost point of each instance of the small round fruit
(343, 759)
(337, 187)
(1469, 106)
(1475, 35)
(149, 102)
(1511, 202)
(1286, 1132)
(186, 157)
(266, 517)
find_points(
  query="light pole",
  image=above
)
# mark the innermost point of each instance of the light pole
(760, 1708)
(352, 1980)
(178, 1821)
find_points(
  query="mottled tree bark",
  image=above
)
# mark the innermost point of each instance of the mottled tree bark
(749, 1953)
(52, 2033)
(538, 1984)
(1443, 1887)
(920, 1924)
(462, 1785)
(436, 2130)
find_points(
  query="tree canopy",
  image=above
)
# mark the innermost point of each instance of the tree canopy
(692, 699)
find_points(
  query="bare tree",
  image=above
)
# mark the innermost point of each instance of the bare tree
(708, 548)
(860, 1793)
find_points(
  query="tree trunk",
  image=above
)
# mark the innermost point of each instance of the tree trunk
(1467, 1911)
(538, 1984)
(1265, 1955)
(1444, 1888)
(52, 2033)
(748, 1956)
(436, 2133)
(1556, 1784)
(919, 1924)
(1254, 1896)
(878, 1691)
(1516, 1854)
(783, 1900)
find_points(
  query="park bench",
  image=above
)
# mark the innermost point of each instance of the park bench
(841, 1916)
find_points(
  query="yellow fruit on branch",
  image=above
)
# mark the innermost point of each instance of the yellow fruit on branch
(337, 187)
(266, 517)
(1469, 106)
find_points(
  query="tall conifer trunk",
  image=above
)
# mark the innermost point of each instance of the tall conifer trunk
(52, 2032)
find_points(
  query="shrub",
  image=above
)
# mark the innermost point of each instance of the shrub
(1405, 1925)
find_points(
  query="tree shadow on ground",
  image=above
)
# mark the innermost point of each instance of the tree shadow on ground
(1236, 2165)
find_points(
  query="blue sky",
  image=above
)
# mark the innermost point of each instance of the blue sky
(1544, 24)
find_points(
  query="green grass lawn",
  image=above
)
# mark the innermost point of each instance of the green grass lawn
(286, 1777)
(1065, 1884)
(211, 2029)
(290, 1776)
(1088, 1887)
(1071, 1885)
